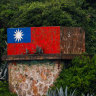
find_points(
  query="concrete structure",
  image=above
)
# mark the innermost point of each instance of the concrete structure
(32, 78)
(32, 74)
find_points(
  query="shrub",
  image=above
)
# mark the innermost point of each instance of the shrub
(80, 75)
(60, 92)
(4, 91)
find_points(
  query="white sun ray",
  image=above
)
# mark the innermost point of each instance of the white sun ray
(18, 35)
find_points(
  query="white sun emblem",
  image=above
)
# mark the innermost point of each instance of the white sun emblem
(18, 35)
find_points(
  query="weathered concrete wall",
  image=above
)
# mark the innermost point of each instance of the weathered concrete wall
(32, 78)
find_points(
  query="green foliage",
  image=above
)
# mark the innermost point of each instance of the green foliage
(4, 89)
(60, 92)
(81, 75)
(82, 13)
(28, 13)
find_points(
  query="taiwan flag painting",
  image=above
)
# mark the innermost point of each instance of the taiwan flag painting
(25, 40)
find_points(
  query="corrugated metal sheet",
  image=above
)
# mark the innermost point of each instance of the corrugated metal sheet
(45, 38)
(72, 40)
(52, 40)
